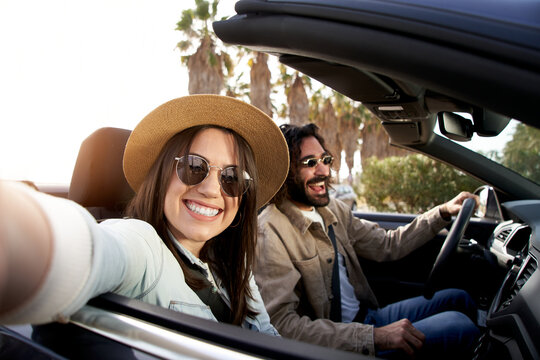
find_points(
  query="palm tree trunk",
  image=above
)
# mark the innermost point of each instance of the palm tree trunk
(328, 124)
(375, 142)
(349, 133)
(205, 69)
(261, 86)
(298, 103)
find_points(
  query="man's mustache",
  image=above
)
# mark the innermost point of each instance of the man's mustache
(318, 179)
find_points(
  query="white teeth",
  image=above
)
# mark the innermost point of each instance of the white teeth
(319, 184)
(201, 210)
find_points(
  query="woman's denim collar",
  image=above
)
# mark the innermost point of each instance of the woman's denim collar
(189, 256)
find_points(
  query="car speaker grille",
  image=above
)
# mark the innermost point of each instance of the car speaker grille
(524, 275)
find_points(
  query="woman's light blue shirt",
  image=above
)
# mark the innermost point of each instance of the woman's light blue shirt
(151, 273)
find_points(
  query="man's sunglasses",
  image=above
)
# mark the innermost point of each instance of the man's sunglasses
(312, 162)
(193, 169)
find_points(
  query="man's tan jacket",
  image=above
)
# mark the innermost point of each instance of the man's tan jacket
(294, 268)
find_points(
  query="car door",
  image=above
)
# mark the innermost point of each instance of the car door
(395, 280)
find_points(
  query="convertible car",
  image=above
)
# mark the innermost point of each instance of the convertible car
(442, 77)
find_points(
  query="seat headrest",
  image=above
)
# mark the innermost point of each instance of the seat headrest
(98, 178)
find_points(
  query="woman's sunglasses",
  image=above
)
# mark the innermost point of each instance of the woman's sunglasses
(312, 162)
(193, 169)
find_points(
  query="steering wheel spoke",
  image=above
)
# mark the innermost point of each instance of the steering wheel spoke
(449, 246)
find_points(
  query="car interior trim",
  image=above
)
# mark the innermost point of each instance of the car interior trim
(150, 338)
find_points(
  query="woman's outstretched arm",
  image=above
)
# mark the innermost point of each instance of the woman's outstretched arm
(25, 246)
(46, 254)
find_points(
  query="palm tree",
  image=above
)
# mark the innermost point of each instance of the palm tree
(349, 129)
(328, 124)
(260, 83)
(298, 102)
(297, 107)
(237, 86)
(375, 140)
(205, 65)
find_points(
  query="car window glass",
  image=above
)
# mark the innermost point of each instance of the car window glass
(517, 147)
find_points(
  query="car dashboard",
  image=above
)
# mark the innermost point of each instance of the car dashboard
(513, 320)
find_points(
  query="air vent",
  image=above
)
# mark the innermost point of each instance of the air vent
(503, 235)
(528, 268)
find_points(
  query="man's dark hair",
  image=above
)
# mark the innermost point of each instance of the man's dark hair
(294, 134)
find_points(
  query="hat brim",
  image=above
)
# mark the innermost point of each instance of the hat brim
(259, 130)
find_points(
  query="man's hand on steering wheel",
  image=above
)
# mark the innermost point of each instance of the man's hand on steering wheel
(452, 207)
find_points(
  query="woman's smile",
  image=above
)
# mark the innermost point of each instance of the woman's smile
(199, 209)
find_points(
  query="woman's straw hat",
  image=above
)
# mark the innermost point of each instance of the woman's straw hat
(261, 133)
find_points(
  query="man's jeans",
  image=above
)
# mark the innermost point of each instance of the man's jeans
(447, 320)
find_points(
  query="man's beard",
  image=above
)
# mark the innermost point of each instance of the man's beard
(298, 191)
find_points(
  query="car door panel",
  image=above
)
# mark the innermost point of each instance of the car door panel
(395, 280)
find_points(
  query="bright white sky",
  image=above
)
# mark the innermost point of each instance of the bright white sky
(69, 67)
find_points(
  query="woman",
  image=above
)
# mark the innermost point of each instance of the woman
(201, 166)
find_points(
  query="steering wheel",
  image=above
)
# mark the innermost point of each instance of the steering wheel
(450, 245)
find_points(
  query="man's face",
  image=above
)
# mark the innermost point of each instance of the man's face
(309, 187)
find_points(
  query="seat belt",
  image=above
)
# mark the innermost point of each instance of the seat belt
(335, 309)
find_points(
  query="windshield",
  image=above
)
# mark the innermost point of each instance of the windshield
(517, 147)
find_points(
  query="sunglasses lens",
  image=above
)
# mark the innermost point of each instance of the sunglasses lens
(327, 160)
(192, 169)
(311, 162)
(230, 182)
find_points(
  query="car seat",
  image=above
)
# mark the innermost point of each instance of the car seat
(98, 181)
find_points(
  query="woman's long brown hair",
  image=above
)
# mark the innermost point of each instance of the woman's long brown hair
(229, 254)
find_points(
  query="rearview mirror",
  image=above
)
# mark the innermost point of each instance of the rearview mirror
(455, 126)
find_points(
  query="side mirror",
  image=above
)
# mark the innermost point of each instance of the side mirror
(489, 206)
(455, 127)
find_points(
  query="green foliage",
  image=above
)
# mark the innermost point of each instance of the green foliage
(237, 88)
(194, 22)
(186, 21)
(227, 61)
(308, 82)
(522, 153)
(214, 9)
(202, 8)
(346, 109)
(184, 59)
(282, 111)
(184, 45)
(411, 184)
(285, 78)
(212, 60)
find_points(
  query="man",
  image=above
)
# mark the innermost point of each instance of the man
(311, 297)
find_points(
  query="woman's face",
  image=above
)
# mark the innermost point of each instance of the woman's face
(199, 212)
